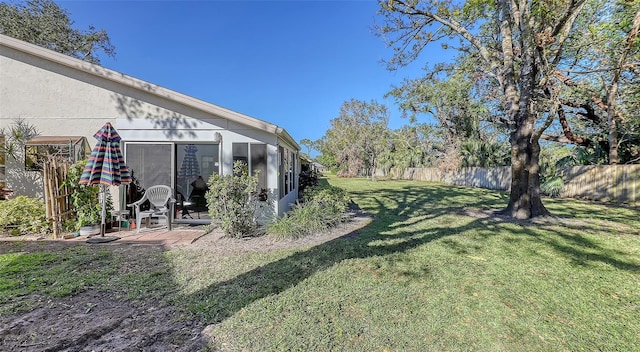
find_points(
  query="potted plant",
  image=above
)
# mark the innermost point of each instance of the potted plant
(88, 220)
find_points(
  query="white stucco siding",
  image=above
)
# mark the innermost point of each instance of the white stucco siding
(60, 95)
(35, 88)
(285, 203)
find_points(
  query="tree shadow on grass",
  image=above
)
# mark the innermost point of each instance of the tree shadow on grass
(390, 232)
(582, 250)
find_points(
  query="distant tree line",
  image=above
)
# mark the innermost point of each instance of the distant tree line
(359, 141)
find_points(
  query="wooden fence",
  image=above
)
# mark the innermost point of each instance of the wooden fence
(56, 195)
(609, 183)
(498, 178)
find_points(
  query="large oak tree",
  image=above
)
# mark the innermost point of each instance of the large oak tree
(599, 106)
(518, 46)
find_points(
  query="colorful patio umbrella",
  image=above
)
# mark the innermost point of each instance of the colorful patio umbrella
(105, 166)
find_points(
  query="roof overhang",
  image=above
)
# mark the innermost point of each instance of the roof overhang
(54, 140)
(282, 133)
(141, 85)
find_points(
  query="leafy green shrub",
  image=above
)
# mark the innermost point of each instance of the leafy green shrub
(23, 215)
(552, 186)
(84, 199)
(328, 194)
(323, 207)
(232, 200)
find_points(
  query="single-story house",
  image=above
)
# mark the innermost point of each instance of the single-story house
(168, 138)
(319, 167)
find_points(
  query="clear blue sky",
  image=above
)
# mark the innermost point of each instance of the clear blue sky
(291, 63)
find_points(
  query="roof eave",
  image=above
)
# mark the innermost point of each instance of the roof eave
(121, 78)
(282, 133)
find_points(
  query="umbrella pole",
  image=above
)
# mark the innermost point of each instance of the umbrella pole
(102, 238)
(103, 226)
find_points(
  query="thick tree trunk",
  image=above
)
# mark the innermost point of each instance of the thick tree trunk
(525, 201)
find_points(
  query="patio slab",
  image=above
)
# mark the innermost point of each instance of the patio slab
(178, 236)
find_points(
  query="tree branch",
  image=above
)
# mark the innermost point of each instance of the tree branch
(563, 28)
(562, 117)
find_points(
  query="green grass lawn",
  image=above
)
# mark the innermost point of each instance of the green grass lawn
(428, 273)
(425, 276)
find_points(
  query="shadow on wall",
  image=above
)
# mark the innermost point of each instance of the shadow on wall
(173, 124)
(22, 182)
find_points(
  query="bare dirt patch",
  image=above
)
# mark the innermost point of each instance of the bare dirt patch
(99, 321)
(93, 321)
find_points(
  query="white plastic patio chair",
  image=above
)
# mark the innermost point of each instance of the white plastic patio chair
(161, 199)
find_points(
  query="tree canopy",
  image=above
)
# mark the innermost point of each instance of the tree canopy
(357, 137)
(599, 99)
(44, 23)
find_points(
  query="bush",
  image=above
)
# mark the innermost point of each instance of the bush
(232, 199)
(329, 194)
(23, 215)
(553, 186)
(307, 179)
(322, 208)
(84, 199)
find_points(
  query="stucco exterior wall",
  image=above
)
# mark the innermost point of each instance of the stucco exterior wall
(61, 100)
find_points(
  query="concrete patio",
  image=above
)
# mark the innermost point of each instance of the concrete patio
(179, 235)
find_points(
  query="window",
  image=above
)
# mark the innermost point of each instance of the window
(292, 171)
(287, 172)
(286, 169)
(193, 161)
(259, 164)
(39, 148)
(281, 169)
(240, 152)
(150, 164)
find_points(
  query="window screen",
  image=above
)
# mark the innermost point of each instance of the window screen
(240, 152)
(150, 164)
(259, 164)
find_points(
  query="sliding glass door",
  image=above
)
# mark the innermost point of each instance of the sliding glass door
(186, 167)
(195, 163)
(150, 164)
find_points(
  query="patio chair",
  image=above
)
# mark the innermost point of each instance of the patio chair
(160, 198)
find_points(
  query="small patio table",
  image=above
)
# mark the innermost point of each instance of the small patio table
(120, 216)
